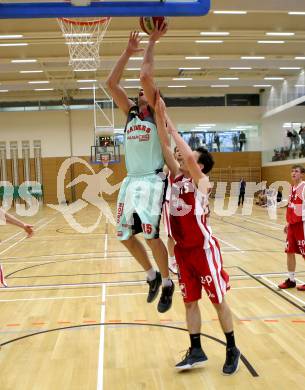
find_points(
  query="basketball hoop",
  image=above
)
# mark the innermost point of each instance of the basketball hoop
(83, 37)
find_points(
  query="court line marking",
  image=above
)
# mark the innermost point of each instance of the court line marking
(253, 220)
(231, 245)
(300, 281)
(24, 238)
(284, 291)
(100, 367)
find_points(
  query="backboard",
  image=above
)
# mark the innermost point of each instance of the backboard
(63, 8)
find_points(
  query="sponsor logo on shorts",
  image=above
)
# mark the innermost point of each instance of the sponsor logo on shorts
(183, 290)
(120, 212)
(210, 294)
(206, 280)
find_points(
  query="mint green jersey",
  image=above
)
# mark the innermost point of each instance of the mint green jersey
(143, 153)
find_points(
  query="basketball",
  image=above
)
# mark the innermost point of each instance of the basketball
(148, 23)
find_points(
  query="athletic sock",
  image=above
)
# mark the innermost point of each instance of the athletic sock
(166, 282)
(151, 274)
(291, 276)
(230, 339)
(172, 259)
(195, 340)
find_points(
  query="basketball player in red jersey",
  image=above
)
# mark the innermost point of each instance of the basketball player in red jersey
(197, 250)
(7, 218)
(295, 226)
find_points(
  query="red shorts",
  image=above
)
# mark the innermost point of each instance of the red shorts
(166, 220)
(295, 240)
(197, 268)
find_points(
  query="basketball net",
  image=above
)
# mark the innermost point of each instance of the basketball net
(83, 37)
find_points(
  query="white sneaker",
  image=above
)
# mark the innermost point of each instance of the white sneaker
(172, 266)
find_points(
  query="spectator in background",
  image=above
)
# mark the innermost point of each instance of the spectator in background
(235, 142)
(242, 140)
(261, 198)
(194, 141)
(242, 190)
(217, 141)
(279, 195)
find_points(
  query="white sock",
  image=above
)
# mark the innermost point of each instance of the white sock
(151, 274)
(172, 259)
(291, 276)
(166, 282)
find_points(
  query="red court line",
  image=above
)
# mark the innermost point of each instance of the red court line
(115, 321)
(300, 321)
(271, 320)
(89, 321)
(12, 324)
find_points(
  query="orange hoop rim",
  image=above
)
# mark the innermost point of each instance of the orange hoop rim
(84, 23)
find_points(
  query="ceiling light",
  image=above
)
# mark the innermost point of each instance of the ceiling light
(132, 87)
(274, 78)
(271, 42)
(252, 58)
(132, 79)
(13, 44)
(300, 85)
(136, 58)
(208, 41)
(80, 43)
(207, 124)
(133, 69)
(85, 70)
(44, 89)
(186, 68)
(290, 68)
(23, 61)
(176, 86)
(142, 34)
(214, 33)
(82, 59)
(220, 86)
(230, 12)
(182, 78)
(87, 87)
(11, 36)
(39, 82)
(280, 34)
(228, 78)
(198, 58)
(86, 81)
(3, 90)
(299, 58)
(240, 68)
(31, 71)
(262, 85)
(296, 13)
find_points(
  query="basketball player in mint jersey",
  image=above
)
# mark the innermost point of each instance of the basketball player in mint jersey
(197, 251)
(141, 195)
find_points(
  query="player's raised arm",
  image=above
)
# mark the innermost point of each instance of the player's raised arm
(147, 70)
(201, 180)
(160, 111)
(113, 81)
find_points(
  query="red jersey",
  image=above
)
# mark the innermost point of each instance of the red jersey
(188, 214)
(296, 205)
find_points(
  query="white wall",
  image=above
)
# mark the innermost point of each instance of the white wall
(273, 133)
(52, 127)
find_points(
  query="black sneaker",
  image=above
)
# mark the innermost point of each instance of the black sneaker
(194, 358)
(166, 298)
(154, 286)
(232, 361)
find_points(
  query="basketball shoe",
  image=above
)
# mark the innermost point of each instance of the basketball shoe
(287, 284)
(301, 287)
(232, 361)
(172, 265)
(166, 298)
(154, 286)
(195, 357)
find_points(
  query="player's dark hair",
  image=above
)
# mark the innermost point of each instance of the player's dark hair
(300, 167)
(206, 159)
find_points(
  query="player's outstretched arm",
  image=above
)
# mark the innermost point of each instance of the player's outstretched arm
(200, 179)
(147, 69)
(113, 81)
(15, 221)
(161, 119)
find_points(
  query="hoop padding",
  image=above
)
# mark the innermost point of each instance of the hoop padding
(83, 37)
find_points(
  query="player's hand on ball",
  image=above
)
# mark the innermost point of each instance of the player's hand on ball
(28, 229)
(134, 43)
(158, 32)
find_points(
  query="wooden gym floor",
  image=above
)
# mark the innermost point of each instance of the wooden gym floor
(63, 284)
